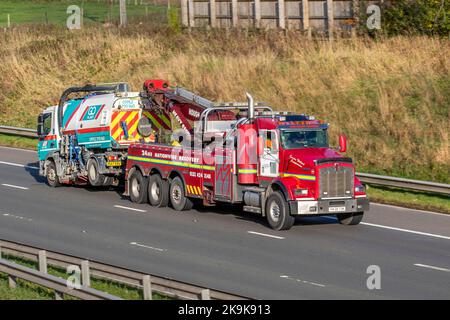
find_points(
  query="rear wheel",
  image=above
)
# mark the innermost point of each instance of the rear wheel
(277, 212)
(158, 191)
(95, 178)
(52, 175)
(138, 187)
(350, 219)
(177, 196)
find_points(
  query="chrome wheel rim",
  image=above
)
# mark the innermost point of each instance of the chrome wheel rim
(135, 188)
(92, 173)
(155, 191)
(176, 193)
(51, 174)
(274, 211)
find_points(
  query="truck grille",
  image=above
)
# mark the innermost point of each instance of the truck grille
(336, 182)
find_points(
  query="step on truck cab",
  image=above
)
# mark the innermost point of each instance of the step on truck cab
(276, 164)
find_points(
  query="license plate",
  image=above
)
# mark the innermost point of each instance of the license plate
(336, 209)
(114, 163)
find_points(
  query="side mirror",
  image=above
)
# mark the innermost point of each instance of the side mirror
(40, 126)
(342, 143)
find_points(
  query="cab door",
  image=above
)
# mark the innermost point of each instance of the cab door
(48, 139)
(269, 154)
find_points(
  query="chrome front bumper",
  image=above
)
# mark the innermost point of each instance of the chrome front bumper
(334, 206)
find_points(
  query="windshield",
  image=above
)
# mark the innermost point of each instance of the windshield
(304, 138)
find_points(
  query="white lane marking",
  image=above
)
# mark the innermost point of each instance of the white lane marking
(18, 149)
(148, 247)
(265, 235)
(128, 208)
(398, 229)
(303, 281)
(13, 186)
(8, 215)
(431, 267)
(19, 165)
(406, 230)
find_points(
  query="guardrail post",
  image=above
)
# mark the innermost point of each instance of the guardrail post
(191, 13)
(234, 13)
(212, 13)
(281, 15)
(12, 282)
(0, 252)
(257, 13)
(330, 18)
(206, 294)
(305, 17)
(42, 257)
(147, 284)
(184, 13)
(85, 273)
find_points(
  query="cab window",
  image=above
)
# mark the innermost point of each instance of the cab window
(44, 124)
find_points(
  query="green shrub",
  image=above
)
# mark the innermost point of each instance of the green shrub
(173, 19)
(414, 17)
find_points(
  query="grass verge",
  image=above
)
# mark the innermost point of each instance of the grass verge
(17, 142)
(29, 291)
(410, 199)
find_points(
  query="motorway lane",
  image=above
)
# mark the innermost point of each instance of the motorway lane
(317, 259)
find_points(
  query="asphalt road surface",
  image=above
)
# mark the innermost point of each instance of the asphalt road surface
(227, 250)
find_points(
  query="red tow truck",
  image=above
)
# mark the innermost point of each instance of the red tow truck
(276, 164)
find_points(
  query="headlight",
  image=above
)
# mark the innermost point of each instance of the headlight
(360, 188)
(301, 192)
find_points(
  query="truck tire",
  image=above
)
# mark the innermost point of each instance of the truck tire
(350, 219)
(52, 175)
(158, 191)
(95, 178)
(277, 212)
(177, 196)
(138, 185)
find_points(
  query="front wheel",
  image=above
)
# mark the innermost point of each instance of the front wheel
(52, 175)
(277, 212)
(350, 219)
(177, 196)
(158, 191)
(138, 187)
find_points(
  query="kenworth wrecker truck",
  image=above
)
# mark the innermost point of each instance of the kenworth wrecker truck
(276, 164)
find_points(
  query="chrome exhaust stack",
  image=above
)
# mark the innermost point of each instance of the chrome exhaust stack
(251, 106)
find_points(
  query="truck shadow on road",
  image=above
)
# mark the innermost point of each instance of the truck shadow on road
(31, 168)
(223, 209)
(239, 214)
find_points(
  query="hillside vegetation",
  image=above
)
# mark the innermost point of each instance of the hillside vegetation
(391, 97)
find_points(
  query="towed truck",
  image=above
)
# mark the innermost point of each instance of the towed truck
(275, 164)
(84, 139)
